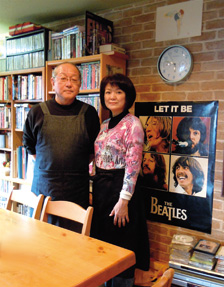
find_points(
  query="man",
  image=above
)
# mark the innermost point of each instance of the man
(188, 176)
(153, 172)
(191, 134)
(60, 134)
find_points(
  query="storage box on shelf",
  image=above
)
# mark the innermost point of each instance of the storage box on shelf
(93, 69)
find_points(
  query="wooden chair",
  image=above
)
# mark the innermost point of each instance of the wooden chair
(166, 279)
(68, 210)
(26, 197)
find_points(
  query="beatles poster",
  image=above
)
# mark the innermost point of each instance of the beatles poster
(178, 166)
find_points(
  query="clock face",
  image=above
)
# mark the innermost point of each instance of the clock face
(174, 64)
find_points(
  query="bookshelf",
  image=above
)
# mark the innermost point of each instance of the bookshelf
(13, 130)
(108, 63)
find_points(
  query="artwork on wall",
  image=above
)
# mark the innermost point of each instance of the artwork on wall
(182, 20)
(178, 166)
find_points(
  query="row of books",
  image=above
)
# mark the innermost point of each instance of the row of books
(79, 41)
(25, 61)
(20, 45)
(5, 116)
(21, 114)
(27, 87)
(5, 91)
(91, 99)
(90, 73)
(69, 43)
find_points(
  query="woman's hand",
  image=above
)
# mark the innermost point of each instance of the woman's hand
(120, 212)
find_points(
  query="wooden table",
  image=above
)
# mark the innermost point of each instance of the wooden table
(34, 253)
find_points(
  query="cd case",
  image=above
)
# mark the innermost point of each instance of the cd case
(206, 246)
(184, 239)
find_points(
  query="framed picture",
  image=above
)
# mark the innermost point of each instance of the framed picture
(177, 21)
(99, 31)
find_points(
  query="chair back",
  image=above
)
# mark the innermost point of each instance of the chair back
(28, 198)
(68, 210)
(166, 279)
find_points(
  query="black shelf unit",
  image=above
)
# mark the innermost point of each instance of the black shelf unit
(28, 50)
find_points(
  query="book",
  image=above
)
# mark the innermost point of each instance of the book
(206, 246)
(2, 141)
(111, 47)
(19, 161)
(29, 167)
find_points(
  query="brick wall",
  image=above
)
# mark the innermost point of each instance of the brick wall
(135, 31)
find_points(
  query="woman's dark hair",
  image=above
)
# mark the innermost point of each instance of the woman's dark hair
(124, 83)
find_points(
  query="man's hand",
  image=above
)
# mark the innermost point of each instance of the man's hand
(120, 212)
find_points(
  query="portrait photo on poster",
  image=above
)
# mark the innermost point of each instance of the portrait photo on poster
(154, 170)
(188, 175)
(190, 135)
(157, 133)
(178, 162)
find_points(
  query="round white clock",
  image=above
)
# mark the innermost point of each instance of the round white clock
(175, 64)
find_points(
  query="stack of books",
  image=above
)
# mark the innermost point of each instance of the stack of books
(220, 260)
(204, 254)
(181, 248)
(111, 47)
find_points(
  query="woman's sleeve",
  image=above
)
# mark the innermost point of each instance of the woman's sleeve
(133, 158)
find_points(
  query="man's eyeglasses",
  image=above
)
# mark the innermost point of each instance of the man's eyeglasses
(64, 79)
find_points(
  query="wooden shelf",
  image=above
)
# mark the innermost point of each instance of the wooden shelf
(15, 180)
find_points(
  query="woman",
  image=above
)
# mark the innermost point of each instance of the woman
(118, 215)
(157, 132)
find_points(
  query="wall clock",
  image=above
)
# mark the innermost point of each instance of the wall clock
(175, 64)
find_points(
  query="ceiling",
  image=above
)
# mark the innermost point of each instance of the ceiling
(14, 12)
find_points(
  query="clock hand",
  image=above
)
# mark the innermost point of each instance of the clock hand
(174, 67)
(172, 63)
